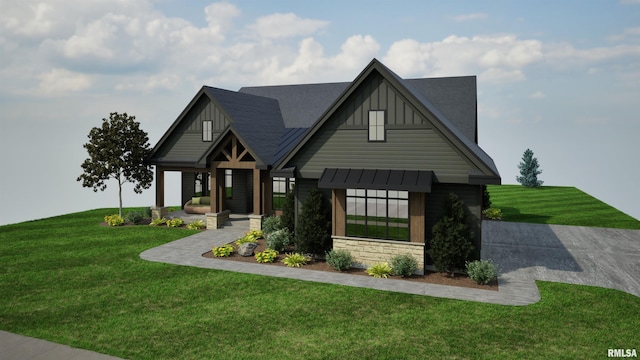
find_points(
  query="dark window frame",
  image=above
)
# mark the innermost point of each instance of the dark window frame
(288, 184)
(228, 183)
(207, 130)
(373, 222)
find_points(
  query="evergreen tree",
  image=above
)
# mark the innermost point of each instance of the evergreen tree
(288, 217)
(313, 233)
(486, 198)
(117, 150)
(452, 243)
(529, 170)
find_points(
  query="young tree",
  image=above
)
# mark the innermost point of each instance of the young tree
(117, 151)
(452, 243)
(529, 170)
(313, 233)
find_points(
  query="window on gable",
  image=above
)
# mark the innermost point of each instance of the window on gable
(376, 125)
(207, 130)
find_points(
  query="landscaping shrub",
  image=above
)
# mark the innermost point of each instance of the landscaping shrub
(493, 213)
(482, 271)
(380, 270)
(177, 222)
(114, 220)
(156, 222)
(313, 233)
(339, 259)
(295, 260)
(250, 236)
(196, 225)
(266, 256)
(452, 243)
(222, 251)
(271, 224)
(403, 265)
(288, 218)
(279, 240)
(134, 217)
(147, 212)
(486, 198)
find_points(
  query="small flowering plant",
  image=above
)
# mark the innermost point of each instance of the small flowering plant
(114, 220)
(222, 251)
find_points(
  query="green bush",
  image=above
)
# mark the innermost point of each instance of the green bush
(196, 225)
(222, 251)
(295, 260)
(380, 270)
(156, 222)
(313, 233)
(271, 224)
(279, 240)
(177, 222)
(339, 259)
(288, 218)
(482, 271)
(452, 242)
(114, 220)
(266, 256)
(403, 265)
(134, 217)
(493, 213)
(147, 212)
(250, 236)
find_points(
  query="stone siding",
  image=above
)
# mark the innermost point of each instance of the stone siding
(217, 220)
(367, 252)
(255, 222)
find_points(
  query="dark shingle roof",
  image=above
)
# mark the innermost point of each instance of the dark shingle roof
(256, 120)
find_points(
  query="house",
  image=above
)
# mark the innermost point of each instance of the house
(386, 151)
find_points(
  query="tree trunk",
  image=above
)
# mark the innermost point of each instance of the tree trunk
(120, 195)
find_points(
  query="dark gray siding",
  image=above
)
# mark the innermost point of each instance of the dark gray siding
(411, 140)
(185, 143)
(188, 186)
(241, 201)
(472, 197)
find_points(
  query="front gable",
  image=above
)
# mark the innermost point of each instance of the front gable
(414, 139)
(185, 142)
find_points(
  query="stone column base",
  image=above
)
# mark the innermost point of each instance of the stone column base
(255, 222)
(217, 220)
(159, 212)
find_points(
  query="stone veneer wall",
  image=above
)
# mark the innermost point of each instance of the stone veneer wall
(217, 220)
(366, 252)
(159, 212)
(255, 222)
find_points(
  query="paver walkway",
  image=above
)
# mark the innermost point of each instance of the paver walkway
(189, 250)
(18, 347)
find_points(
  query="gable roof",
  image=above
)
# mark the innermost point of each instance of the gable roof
(469, 148)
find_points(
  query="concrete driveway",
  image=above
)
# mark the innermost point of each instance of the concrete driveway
(608, 258)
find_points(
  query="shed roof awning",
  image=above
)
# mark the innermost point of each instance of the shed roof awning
(289, 172)
(407, 180)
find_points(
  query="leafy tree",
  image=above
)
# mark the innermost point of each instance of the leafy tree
(486, 198)
(117, 151)
(288, 217)
(452, 243)
(529, 170)
(313, 233)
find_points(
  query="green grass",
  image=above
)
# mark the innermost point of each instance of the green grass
(68, 280)
(557, 205)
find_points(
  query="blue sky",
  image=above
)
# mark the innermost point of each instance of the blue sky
(559, 77)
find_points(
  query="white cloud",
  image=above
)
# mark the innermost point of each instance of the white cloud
(468, 17)
(285, 25)
(537, 95)
(61, 81)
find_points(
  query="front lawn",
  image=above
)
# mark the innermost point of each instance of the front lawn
(557, 205)
(69, 280)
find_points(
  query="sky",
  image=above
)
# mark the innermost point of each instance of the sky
(559, 77)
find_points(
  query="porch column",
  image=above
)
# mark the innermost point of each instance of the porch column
(257, 192)
(267, 193)
(338, 216)
(416, 217)
(159, 186)
(214, 193)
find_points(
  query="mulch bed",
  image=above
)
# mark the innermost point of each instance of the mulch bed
(461, 280)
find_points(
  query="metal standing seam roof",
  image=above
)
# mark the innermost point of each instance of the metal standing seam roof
(375, 179)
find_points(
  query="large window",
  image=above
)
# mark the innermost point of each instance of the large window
(281, 186)
(380, 214)
(376, 125)
(207, 130)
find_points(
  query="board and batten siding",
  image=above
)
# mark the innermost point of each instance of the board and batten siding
(412, 143)
(186, 142)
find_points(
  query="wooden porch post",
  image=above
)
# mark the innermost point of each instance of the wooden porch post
(257, 193)
(267, 193)
(417, 217)
(159, 186)
(338, 216)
